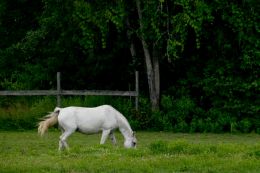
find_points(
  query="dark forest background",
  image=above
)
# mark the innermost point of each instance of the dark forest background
(203, 56)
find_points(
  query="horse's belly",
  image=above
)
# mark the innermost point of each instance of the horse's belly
(88, 130)
(95, 125)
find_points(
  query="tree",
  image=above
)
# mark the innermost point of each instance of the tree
(164, 27)
(18, 19)
(152, 64)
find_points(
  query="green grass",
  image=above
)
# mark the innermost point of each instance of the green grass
(156, 152)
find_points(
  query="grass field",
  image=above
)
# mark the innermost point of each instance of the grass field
(156, 152)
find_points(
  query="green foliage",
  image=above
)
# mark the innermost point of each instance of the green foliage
(177, 112)
(24, 113)
(208, 53)
(191, 16)
(97, 15)
(183, 115)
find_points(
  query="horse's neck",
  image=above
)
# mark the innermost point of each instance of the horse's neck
(124, 126)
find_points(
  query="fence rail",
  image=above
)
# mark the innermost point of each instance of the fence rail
(29, 93)
(59, 92)
(68, 92)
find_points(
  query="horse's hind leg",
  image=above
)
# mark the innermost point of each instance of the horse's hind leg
(63, 143)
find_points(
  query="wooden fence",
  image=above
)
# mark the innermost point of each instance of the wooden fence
(60, 92)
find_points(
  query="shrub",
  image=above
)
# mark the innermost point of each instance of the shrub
(177, 113)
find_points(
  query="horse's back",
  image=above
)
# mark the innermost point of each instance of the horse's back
(88, 120)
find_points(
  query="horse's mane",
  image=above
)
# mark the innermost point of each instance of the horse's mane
(123, 121)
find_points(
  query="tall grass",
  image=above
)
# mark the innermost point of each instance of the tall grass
(178, 115)
(23, 113)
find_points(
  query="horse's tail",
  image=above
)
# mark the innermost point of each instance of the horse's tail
(48, 121)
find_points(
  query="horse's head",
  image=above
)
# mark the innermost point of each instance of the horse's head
(131, 141)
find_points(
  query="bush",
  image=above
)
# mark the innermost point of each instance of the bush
(184, 115)
(180, 114)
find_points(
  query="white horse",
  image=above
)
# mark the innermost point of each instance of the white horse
(89, 120)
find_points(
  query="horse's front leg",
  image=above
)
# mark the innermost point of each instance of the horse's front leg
(105, 134)
(112, 137)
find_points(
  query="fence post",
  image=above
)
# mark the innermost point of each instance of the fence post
(136, 89)
(58, 90)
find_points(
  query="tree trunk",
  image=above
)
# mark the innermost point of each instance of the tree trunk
(132, 46)
(156, 68)
(151, 67)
